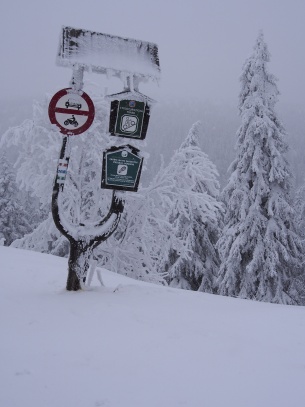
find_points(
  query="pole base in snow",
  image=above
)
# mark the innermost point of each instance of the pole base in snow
(73, 283)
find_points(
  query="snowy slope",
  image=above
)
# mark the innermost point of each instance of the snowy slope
(132, 344)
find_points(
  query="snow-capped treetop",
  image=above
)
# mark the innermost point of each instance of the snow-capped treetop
(14, 221)
(191, 169)
(192, 207)
(192, 138)
(258, 85)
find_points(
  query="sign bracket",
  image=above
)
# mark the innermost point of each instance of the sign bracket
(76, 82)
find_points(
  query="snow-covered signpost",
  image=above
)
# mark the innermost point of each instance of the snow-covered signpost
(72, 111)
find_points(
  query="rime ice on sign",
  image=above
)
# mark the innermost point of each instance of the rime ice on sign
(108, 54)
(129, 114)
(129, 118)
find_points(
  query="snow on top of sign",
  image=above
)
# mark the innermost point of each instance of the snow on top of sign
(108, 54)
(134, 95)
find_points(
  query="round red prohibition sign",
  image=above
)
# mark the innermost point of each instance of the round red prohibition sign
(71, 111)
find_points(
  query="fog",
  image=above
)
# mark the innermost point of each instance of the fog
(202, 43)
(202, 47)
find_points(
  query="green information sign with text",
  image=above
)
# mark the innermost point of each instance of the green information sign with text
(121, 169)
(129, 118)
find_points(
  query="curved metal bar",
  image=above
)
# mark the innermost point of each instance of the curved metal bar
(81, 244)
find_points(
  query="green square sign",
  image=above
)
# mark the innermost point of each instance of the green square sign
(129, 118)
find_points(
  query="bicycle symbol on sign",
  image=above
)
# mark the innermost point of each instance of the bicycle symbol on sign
(129, 124)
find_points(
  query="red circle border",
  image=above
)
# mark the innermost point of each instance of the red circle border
(63, 130)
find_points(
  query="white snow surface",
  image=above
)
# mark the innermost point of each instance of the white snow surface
(134, 344)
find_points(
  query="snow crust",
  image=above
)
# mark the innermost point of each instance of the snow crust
(134, 344)
(108, 54)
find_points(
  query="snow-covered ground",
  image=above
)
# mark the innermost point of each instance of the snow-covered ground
(133, 344)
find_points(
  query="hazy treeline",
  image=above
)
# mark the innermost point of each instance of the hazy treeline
(171, 120)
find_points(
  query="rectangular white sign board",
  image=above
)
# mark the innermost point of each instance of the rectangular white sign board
(108, 54)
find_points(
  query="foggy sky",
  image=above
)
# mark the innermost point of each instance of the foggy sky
(202, 43)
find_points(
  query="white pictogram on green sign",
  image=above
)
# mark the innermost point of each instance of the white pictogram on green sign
(122, 169)
(129, 118)
(129, 124)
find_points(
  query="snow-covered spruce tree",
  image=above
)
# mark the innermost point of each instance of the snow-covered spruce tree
(14, 221)
(45, 238)
(259, 247)
(37, 147)
(299, 206)
(144, 235)
(127, 252)
(194, 213)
